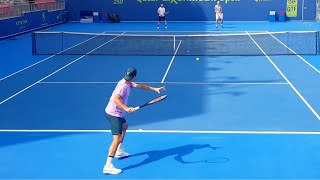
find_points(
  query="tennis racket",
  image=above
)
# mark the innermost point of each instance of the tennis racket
(155, 100)
(166, 13)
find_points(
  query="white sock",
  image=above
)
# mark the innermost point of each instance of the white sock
(109, 161)
(119, 147)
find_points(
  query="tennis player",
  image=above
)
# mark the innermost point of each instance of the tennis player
(219, 14)
(115, 111)
(162, 16)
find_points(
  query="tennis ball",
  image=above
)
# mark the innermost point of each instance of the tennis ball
(197, 59)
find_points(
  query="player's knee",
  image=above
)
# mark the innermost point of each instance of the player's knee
(125, 126)
(117, 138)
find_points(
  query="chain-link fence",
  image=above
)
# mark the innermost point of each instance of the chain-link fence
(8, 10)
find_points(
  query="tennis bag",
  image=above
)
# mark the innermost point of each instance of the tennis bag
(114, 18)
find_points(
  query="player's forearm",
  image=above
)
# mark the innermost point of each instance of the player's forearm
(119, 103)
(145, 87)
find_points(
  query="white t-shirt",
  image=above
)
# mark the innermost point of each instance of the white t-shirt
(161, 11)
(218, 9)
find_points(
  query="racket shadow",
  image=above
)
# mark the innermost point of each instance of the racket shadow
(177, 152)
(216, 160)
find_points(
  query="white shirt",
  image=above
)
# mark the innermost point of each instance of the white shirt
(218, 9)
(161, 11)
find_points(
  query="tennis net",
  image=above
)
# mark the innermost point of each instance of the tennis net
(230, 44)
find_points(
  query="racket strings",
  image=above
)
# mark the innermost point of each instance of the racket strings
(158, 99)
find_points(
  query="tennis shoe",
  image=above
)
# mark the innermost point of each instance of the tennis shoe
(121, 154)
(166, 27)
(222, 25)
(111, 170)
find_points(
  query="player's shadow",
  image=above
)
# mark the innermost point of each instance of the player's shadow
(13, 138)
(177, 152)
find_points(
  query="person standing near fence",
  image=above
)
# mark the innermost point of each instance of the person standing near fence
(162, 16)
(219, 14)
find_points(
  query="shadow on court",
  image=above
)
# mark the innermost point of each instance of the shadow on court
(177, 152)
(13, 138)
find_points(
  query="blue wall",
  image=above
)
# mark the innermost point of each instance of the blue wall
(30, 21)
(189, 10)
(310, 10)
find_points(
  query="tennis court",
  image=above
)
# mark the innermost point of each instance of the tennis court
(248, 109)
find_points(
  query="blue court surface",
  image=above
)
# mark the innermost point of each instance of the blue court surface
(225, 117)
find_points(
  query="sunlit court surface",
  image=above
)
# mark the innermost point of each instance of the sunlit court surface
(242, 101)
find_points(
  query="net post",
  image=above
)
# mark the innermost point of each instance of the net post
(33, 43)
(317, 42)
(288, 41)
(62, 48)
(174, 43)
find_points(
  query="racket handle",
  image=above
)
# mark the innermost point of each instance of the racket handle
(136, 108)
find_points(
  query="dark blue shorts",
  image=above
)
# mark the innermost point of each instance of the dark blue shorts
(115, 124)
(162, 18)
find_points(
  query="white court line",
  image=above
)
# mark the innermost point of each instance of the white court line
(314, 68)
(28, 67)
(186, 83)
(163, 131)
(194, 21)
(49, 57)
(58, 70)
(174, 55)
(107, 32)
(295, 90)
(182, 31)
